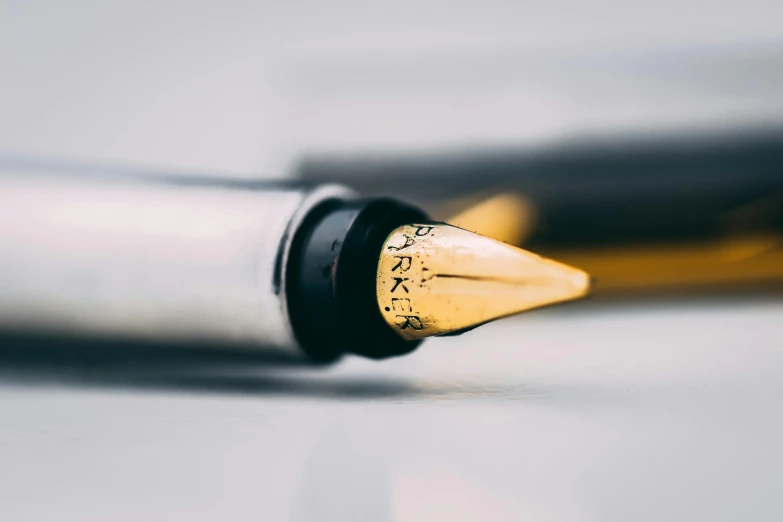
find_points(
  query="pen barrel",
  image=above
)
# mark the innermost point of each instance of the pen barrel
(169, 260)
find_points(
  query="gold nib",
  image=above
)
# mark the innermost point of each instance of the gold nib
(435, 278)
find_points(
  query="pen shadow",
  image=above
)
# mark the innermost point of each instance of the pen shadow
(39, 362)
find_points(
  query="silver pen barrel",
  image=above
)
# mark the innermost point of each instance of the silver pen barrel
(152, 259)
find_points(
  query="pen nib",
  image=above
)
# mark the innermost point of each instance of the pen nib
(435, 279)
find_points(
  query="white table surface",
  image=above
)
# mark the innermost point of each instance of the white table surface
(635, 413)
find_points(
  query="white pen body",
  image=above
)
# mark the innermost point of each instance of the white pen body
(149, 259)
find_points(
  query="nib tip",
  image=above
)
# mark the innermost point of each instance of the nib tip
(583, 282)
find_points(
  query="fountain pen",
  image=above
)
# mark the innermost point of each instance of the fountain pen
(311, 272)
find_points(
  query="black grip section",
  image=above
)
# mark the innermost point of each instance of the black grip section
(331, 279)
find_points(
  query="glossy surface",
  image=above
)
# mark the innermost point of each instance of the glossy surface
(658, 413)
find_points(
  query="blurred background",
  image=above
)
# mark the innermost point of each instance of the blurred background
(641, 142)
